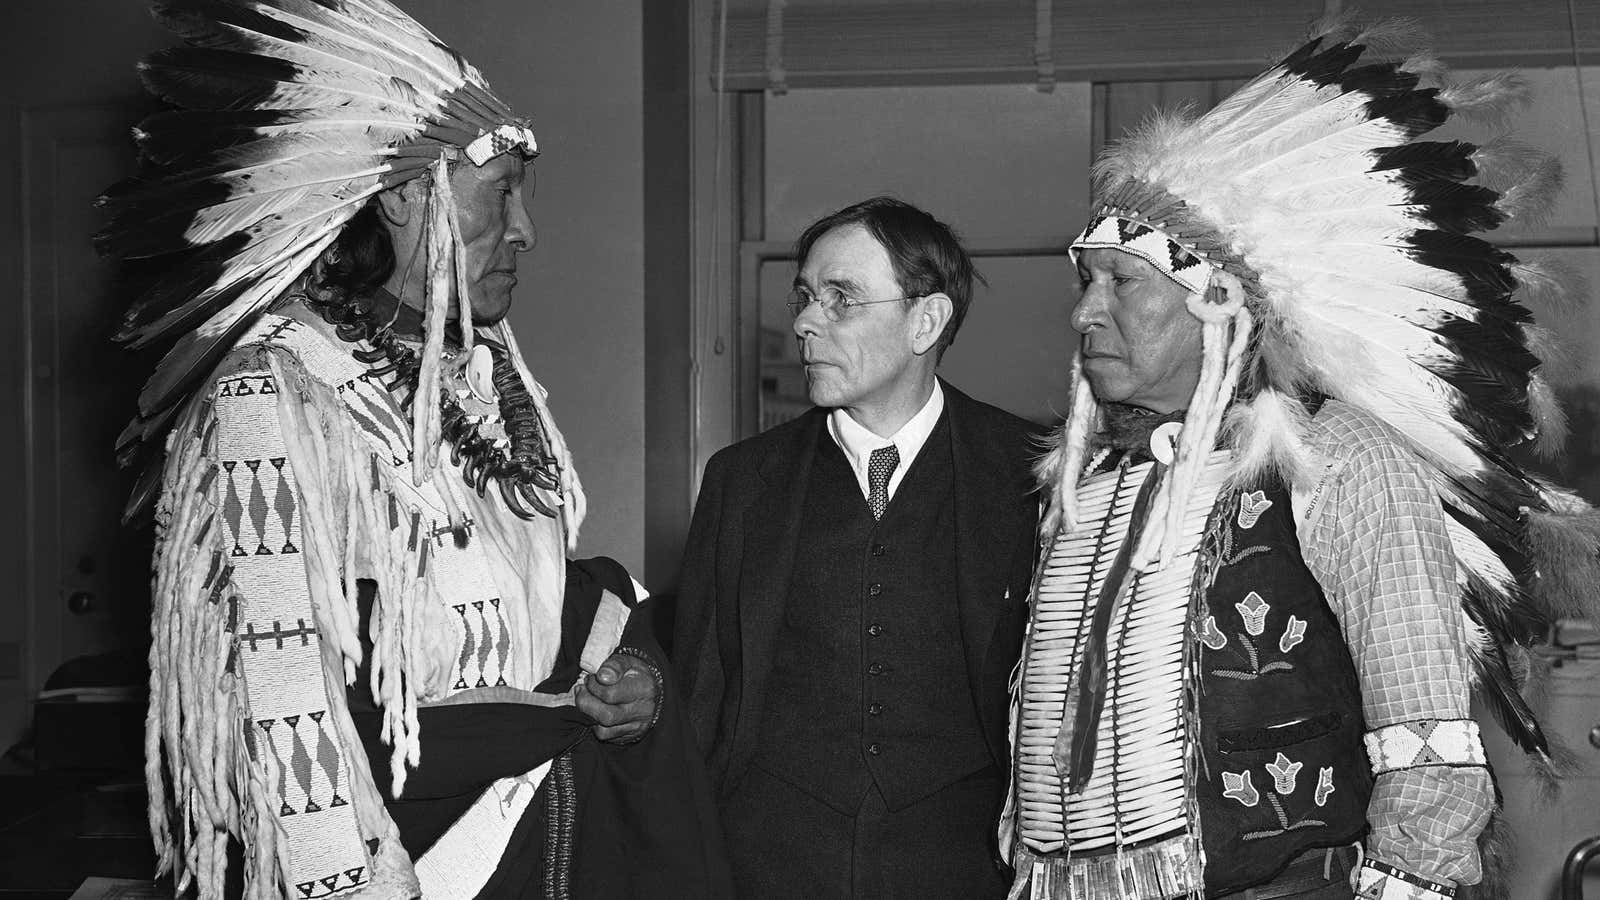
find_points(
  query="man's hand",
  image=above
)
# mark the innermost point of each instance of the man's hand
(622, 697)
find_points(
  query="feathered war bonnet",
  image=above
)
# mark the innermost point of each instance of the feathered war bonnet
(1331, 252)
(292, 115)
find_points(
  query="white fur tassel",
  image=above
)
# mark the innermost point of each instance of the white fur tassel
(425, 424)
(1061, 468)
(1267, 436)
(463, 295)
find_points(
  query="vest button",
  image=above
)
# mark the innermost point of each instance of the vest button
(874, 589)
(874, 629)
(876, 669)
(879, 549)
(875, 709)
(874, 749)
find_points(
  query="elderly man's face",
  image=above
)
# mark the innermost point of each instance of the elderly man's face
(866, 359)
(1141, 346)
(495, 227)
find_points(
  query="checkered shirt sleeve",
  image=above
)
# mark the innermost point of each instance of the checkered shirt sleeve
(1374, 535)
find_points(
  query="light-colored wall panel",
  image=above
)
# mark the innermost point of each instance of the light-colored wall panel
(993, 161)
(1015, 344)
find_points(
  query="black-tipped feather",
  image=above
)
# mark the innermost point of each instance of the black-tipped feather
(1461, 208)
(240, 166)
(1492, 415)
(190, 359)
(1296, 61)
(1494, 495)
(1496, 391)
(194, 309)
(1427, 161)
(1323, 66)
(204, 23)
(1500, 361)
(1499, 690)
(1508, 618)
(182, 284)
(1482, 268)
(198, 78)
(183, 137)
(1417, 112)
(1509, 552)
(159, 219)
(153, 228)
(1378, 79)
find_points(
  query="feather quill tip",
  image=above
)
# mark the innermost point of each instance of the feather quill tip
(1531, 200)
(1490, 98)
(1503, 162)
(1400, 36)
(1428, 68)
(1549, 285)
(1335, 25)
(1550, 419)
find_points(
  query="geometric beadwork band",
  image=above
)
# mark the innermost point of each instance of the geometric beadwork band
(1381, 881)
(503, 138)
(1148, 243)
(1425, 742)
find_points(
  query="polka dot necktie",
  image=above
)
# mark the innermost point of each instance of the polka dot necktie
(880, 466)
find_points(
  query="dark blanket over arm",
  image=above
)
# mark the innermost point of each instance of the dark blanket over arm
(645, 825)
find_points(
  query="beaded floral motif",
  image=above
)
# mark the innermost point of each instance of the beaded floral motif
(1284, 772)
(1251, 506)
(1324, 785)
(1237, 786)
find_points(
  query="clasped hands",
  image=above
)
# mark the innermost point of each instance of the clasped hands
(621, 696)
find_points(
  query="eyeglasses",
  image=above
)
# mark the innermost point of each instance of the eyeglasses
(834, 302)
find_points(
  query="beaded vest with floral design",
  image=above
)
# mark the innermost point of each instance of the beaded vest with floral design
(1282, 765)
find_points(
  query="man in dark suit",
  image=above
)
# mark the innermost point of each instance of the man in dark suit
(851, 602)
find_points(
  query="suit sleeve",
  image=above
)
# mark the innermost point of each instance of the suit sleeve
(697, 656)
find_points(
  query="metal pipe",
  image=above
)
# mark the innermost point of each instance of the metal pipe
(1577, 861)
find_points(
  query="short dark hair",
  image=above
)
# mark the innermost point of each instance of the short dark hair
(925, 253)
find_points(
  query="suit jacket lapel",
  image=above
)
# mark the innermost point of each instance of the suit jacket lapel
(987, 509)
(772, 530)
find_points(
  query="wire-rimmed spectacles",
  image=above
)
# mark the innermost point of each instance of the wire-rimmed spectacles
(835, 303)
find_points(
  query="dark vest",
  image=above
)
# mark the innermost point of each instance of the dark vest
(1280, 707)
(870, 684)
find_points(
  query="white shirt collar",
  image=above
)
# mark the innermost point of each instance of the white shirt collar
(858, 443)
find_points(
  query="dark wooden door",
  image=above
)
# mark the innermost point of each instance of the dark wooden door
(75, 582)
